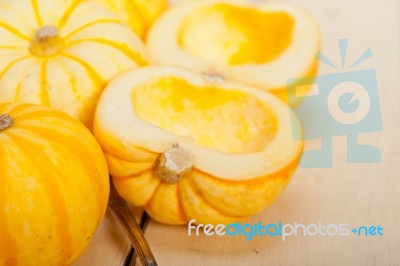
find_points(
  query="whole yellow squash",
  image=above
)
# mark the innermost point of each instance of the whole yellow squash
(54, 186)
(62, 53)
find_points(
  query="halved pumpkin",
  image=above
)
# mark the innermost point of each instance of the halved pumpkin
(259, 43)
(62, 53)
(190, 146)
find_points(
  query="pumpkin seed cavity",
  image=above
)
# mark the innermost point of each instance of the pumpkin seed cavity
(236, 35)
(225, 120)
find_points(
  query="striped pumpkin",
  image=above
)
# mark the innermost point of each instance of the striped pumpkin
(62, 53)
(138, 14)
(54, 186)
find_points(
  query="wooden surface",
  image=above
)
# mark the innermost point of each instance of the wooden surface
(357, 194)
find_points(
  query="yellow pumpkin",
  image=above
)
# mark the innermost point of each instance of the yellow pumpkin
(54, 186)
(62, 53)
(261, 43)
(191, 146)
(138, 14)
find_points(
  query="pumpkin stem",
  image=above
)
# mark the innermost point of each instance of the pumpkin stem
(5, 121)
(173, 164)
(213, 77)
(47, 42)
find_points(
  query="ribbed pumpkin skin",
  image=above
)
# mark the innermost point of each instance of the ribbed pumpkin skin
(54, 187)
(94, 46)
(138, 14)
(198, 195)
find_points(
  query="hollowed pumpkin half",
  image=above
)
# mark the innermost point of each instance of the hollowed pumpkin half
(190, 146)
(262, 44)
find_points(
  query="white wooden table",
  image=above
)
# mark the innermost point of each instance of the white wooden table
(347, 193)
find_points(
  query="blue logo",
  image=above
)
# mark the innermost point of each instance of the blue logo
(346, 104)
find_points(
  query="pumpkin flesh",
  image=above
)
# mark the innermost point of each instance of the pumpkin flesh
(250, 35)
(226, 121)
